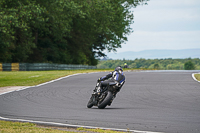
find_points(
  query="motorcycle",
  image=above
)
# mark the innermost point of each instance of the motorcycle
(103, 97)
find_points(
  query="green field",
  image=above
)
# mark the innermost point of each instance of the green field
(30, 78)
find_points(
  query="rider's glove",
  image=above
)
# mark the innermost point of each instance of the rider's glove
(99, 80)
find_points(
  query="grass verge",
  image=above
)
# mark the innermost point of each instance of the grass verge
(21, 127)
(30, 78)
(197, 76)
(98, 130)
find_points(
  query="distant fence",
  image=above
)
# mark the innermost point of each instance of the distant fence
(41, 67)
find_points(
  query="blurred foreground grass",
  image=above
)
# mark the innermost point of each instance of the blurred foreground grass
(18, 127)
(22, 127)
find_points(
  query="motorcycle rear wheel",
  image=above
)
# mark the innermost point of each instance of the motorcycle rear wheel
(106, 100)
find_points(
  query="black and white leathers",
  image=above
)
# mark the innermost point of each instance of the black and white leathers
(113, 76)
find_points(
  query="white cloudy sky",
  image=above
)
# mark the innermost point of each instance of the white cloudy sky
(165, 24)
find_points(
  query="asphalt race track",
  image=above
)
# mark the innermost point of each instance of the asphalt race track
(157, 101)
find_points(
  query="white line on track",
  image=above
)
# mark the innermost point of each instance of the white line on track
(194, 77)
(42, 83)
(74, 126)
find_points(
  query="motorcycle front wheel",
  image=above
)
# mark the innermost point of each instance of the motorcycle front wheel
(105, 101)
(90, 102)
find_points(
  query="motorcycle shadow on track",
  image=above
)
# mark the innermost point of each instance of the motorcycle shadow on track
(111, 108)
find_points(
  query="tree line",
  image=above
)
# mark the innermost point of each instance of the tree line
(63, 31)
(163, 64)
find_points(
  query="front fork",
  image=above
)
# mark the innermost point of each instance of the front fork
(98, 95)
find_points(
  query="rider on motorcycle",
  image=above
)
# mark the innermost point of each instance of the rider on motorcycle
(116, 76)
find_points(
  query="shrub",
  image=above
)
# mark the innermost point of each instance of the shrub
(189, 65)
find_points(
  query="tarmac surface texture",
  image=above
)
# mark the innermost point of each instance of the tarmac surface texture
(157, 101)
